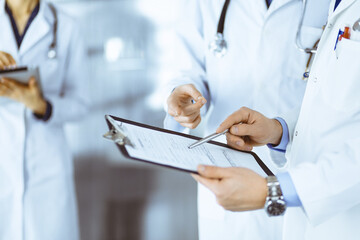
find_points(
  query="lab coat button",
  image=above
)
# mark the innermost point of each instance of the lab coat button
(296, 133)
(315, 79)
(330, 25)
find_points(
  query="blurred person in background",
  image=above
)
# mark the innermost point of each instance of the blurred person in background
(262, 69)
(37, 194)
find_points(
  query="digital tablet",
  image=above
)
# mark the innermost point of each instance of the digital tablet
(21, 74)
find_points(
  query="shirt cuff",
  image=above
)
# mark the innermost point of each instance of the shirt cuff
(284, 138)
(288, 190)
(47, 114)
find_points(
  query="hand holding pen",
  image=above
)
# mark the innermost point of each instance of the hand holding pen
(246, 129)
(249, 128)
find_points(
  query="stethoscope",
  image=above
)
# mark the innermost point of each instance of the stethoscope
(219, 45)
(52, 54)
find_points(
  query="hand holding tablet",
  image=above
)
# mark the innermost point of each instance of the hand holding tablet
(22, 85)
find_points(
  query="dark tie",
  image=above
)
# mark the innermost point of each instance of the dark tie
(337, 4)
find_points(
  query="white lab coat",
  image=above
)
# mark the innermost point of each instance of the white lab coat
(37, 195)
(262, 70)
(324, 157)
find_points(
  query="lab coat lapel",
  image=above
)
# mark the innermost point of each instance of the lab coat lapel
(7, 38)
(344, 4)
(38, 28)
(277, 4)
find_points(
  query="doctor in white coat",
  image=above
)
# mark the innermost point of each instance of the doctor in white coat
(262, 69)
(323, 151)
(37, 195)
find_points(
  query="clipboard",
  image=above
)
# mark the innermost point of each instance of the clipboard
(119, 134)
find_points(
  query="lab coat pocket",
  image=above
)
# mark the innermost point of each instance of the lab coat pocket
(50, 75)
(341, 87)
(298, 59)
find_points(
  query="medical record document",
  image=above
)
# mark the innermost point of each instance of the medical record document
(170, 149)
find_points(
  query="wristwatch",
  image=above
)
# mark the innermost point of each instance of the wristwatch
(275, 204)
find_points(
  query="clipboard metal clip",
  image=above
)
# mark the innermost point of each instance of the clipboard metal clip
(117, 133)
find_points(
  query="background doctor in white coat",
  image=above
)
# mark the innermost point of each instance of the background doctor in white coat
(37, 195)
(323, 151)
(262, 69)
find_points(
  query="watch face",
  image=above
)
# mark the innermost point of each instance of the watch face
(276, 208)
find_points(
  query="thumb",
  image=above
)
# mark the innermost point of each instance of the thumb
(211, 172)
(33, 83)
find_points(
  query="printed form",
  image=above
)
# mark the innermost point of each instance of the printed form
(172, 150)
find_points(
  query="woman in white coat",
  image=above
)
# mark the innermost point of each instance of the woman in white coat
(37, 195)
(262, 69)
(323, 151)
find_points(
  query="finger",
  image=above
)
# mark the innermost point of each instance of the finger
(32, 82)
(4, 90)
(2, 65)
(11, 59)
(195, 107)
(212, 172)
(192, 91)
(211, 184)
(10, 83)
(173, 111)
(5, 60)
(240, 116)
(187, 119)
(238, 143)
(242, 129)
(192, 125)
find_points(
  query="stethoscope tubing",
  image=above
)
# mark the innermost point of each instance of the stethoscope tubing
(52, 53)
(221, 26)
(221, 23)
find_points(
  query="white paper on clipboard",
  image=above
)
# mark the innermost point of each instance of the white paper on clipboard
(164, 148)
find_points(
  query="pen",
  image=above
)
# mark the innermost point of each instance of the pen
(207, 139)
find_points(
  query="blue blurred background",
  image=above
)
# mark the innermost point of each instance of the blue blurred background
(129, 52)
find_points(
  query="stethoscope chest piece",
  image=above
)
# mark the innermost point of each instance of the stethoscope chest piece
(52, 53)
(218, 46)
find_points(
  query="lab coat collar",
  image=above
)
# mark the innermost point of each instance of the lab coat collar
(2, 7)
(38, 28)
(344, 4)
(7, 39)
(276, 4)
